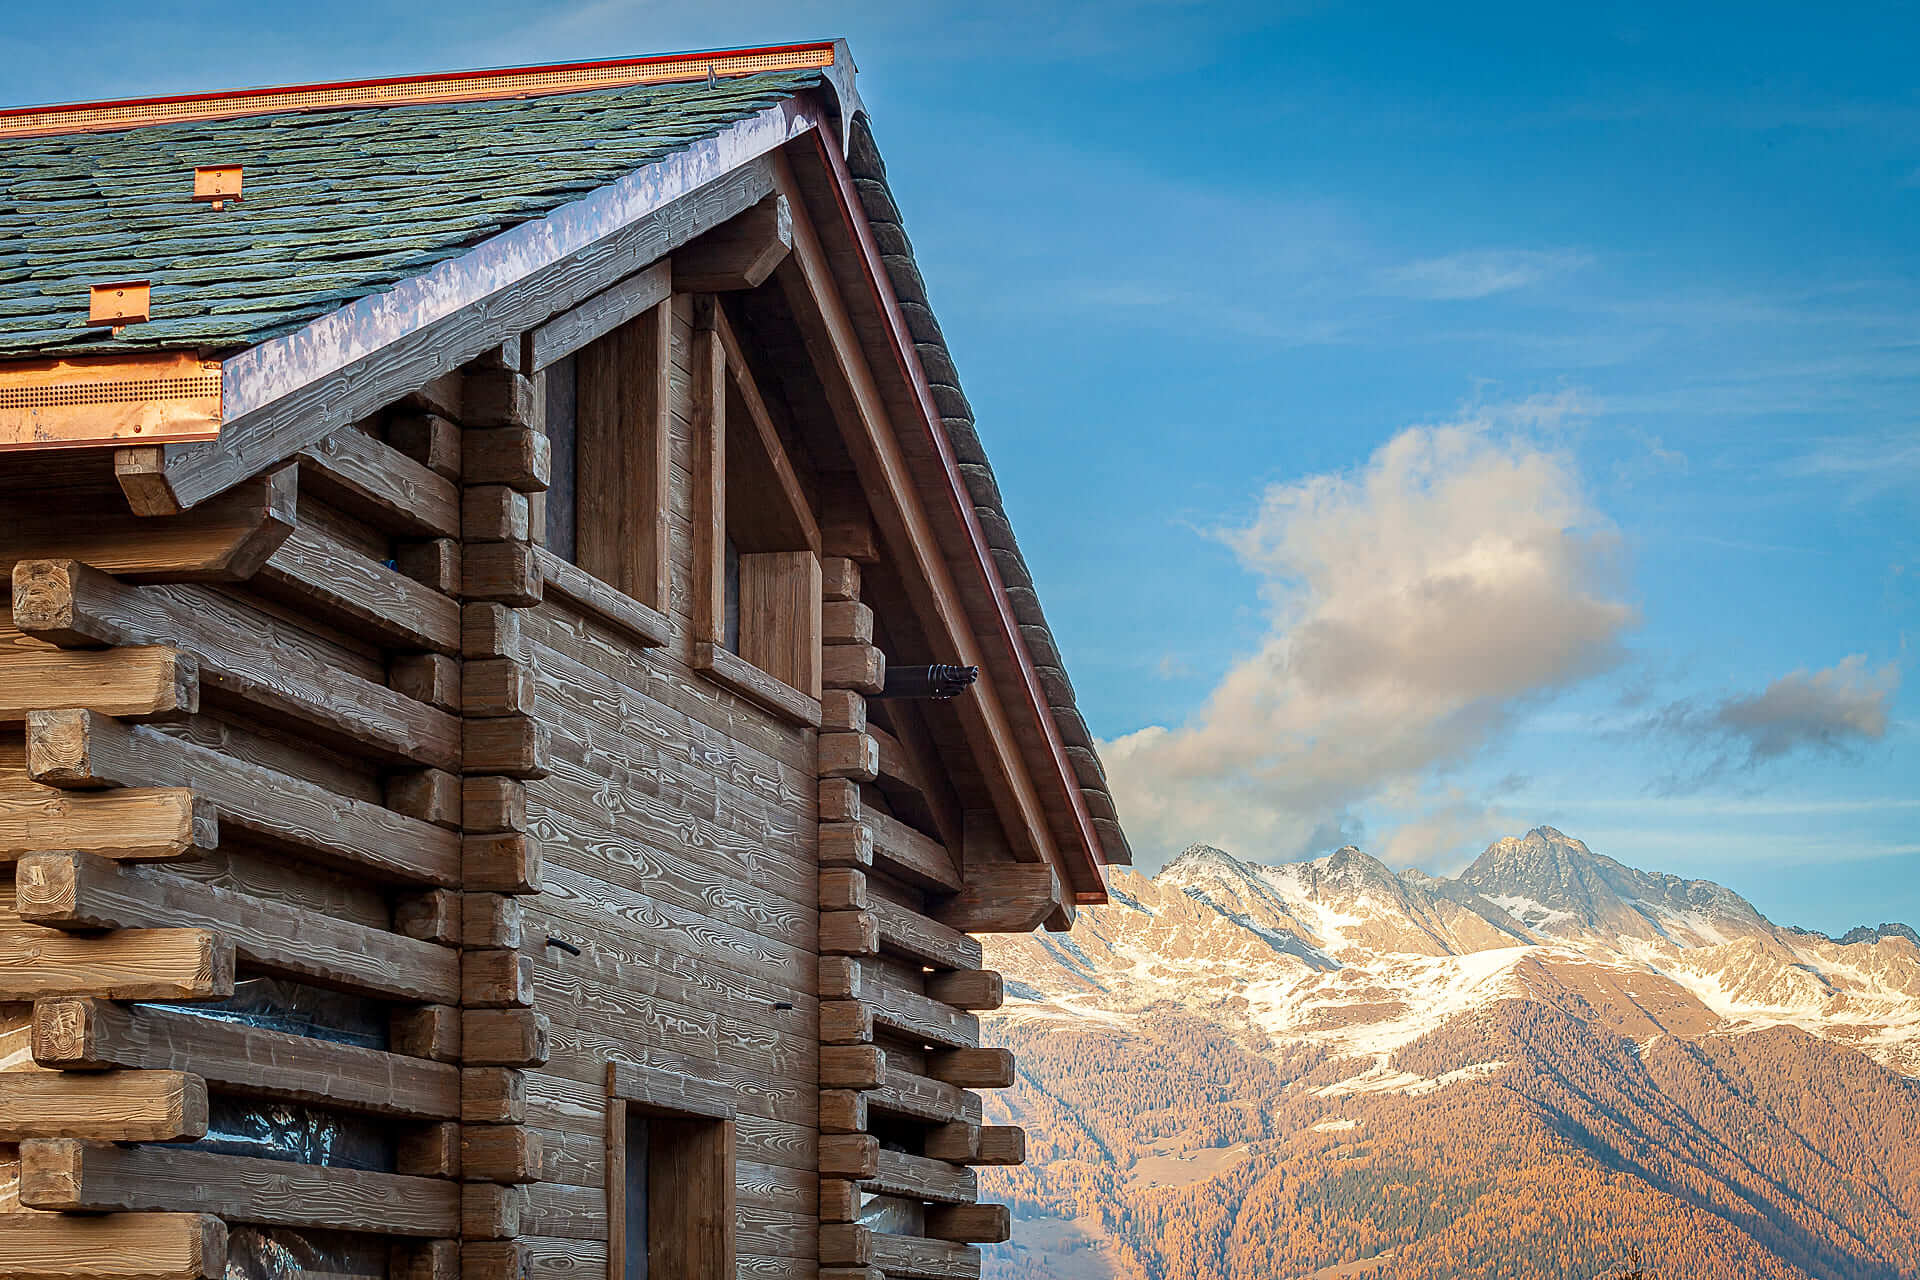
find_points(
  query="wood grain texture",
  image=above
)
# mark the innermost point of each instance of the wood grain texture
(152, 682)
(80, 749)
(379, 483)
(780, 617)
(74, 1176)
(137, 824)
(132, 964)
(739, 253)
(756, 685)
(623, 424)
(114, 1106)
(226, 540)
(636, 622)
(119, 1246)
(928, 941)
(81, 891)
(240, 657)
(597, 316)
(84, 1034)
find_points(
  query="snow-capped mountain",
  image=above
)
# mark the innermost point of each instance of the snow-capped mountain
(1344, 953)
(1550, 1065)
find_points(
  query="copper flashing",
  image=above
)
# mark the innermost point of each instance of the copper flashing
(120, 303)
(458, 86)
(109, 400)
(217, 183)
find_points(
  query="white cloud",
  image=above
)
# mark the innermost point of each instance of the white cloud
(1413, 604)
(1479, 273)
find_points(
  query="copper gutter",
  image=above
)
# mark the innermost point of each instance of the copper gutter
(907, 357)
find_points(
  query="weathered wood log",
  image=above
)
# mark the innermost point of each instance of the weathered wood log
(509, 862)
(81, 891)
(514, 746)
(597, 316)
(496, 980)
(850, 1155)
(845, 1022)
(839, 577)
(317, 572)
(845, 1244)
(110, 1106)
(839, 1199)
(981, 989)
(425, 1260)
(750, 682)
(922, 1259)
(151, 682)
(81, 749)
(957, 1142)
(839, 801)
(970, 1223)
(431, 795)
(973, 1068)
(739, 254)
(425, 1031)
(914, 935)
(503, 1153)
(918, 1018)
(842, 889)
(1003, 897)
(132, 964)
(907, 1094)
(225, 539)
(846, 622)
(381, 484)
(490, 920)
(842, 711)
(493, 513)
(504, 571)
(897, 1173)
(432, 915)
(849, 755)
(497, 687)
(636, 622)
(505, 1037)
(918, 859)
(493, 804)
(852, 1066)
(430, 440)
(516, 456)
(120, 1246)
(843, 1111)
(859, 667)
(493, 1095)
(66, 601)
(846, 844)
(1002, 1144)
(492, 1260)
(83, 1034)
(498, 397)
(431, 562)
(76, 1177)
(143, 824)
(432, 678)
(849, 933)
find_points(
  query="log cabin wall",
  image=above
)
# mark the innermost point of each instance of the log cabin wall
(343, 800)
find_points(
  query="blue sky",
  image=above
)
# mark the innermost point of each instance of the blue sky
(1422, 423)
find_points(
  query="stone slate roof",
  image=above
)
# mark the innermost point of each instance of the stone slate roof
(896, 251)
(338, 204)
(342, 204)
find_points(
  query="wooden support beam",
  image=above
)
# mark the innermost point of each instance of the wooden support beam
(845, 1244)
(506, 571)
(431, 562)
(918, 859)
(496, 980)
(1003, 897)
(132, 964)
(845, 844)
(505, 862)
(77, 1177)
(852, 1066)
(973, 1068)
(845, 621)
(75, 1034)
(849, 933)
(431, 795)
(78, 749)
(108, 1106)
(843, 1111)
(916, 1017)
(849, 755)
(151, 682)
(738, 254)
(509, 1154)
(839, 578)
(429, 1031)
(238, 657)
(934, 944)
(493, 513)
(520, 457)
(493, 1095)
(896, 1173)
(81, 891)
(913, 1258)
(147, 824)
(849, 1155)
(493, 804)
(225, 539)
(428, 439)
(379, 483)
(1002, 1144)
(755, 685)
(968, 988)
(515, 746)
(490, 1260)
(119, 1246)
(845, 1022)
(624, 427)
(785, 478)
(839, 1200)
(598, 316)
(636, 622)
(318, 573)
(504, 1037)
(956, 1143)
(970, 1223)
(907, 1094)
(859, 667)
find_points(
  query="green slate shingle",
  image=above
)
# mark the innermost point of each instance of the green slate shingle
(339, 204)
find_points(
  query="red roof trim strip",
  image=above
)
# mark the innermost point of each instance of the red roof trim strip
(444, 86)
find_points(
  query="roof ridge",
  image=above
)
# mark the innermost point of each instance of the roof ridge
(412, 90)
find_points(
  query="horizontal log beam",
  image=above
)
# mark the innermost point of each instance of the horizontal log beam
(132, 964)
(79, 749)
(77, 1177)
(598, 316)
(120, 1246)
(148, 683)
(109, 1106)
(84, 1035)
(137, 824)
(918, 859)
(80, 891)
(981, 989)
(375, 481)
(226, 539)
(916, 1017)
(937, 945)
(316, 572)
(909, 1256)
(1004, 897)
(738, 254)
(616, 609)
(922, 1098)
(973, 1068)
(69, 603)
(918, 1178)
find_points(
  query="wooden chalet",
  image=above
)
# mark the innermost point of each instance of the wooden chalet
(482, 793)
